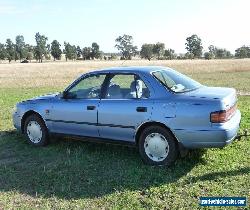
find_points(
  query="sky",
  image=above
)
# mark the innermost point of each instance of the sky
(223, 23)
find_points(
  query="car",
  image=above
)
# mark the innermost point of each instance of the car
(157, 109)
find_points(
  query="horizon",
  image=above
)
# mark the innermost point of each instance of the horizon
(222, 23)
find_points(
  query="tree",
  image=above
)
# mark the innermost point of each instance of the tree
(169, 54)
(78, 52)
(194, 45)
(95, 52)
(41, 49)
(2, 52)
(147, 51)
(86, 53)
(21, 52)
(212, 51)
(220, 53)
(189, 55)
(48, 52)
(158, 49)
(30, 52)
(70, 51)
(10, 50)
(125, 46)
(242, 52)
(56, 52)
(208, 55)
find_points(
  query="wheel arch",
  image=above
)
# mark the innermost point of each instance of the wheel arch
(26, 115)
(152, 123)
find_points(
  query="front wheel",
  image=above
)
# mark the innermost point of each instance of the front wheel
(157, 146)
(36, 131)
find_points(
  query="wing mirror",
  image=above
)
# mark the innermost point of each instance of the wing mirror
(64, 94)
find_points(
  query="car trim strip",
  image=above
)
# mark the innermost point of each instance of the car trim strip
(116, 126)
(75, 122)
(96, 124)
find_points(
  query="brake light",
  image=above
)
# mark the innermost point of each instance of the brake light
(223, 116)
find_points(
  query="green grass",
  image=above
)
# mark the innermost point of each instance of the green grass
(71, 174)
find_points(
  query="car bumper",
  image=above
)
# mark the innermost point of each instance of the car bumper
(219, 135)
(16, 120)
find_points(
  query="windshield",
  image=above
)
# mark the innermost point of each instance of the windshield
(176, 81)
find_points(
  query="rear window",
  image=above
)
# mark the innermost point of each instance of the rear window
(175, 81)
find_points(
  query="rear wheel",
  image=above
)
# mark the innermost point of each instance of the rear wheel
(36, 131)
(157, 146)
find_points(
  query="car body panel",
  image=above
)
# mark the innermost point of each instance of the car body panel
(72, 117)
(186, 114)
(118, 118)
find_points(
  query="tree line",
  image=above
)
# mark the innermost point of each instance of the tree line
(194, 49)
(19, 50)
(43, 50)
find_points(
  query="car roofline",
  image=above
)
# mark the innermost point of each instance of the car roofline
(129, 69)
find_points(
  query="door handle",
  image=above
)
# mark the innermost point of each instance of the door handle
(90, 107)
(141, 109)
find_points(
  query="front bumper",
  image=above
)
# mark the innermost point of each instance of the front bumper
(16, 120)
(219, 135)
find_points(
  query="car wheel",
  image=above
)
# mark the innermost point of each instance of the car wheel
(157, 146)
(36, 131)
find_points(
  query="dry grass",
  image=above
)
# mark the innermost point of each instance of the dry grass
(228, 72)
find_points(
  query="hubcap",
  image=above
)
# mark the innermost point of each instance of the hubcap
(34, 132)
(156, 147)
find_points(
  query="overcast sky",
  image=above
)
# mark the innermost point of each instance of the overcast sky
(224, 23)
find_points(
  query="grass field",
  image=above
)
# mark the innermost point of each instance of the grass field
(70, 174)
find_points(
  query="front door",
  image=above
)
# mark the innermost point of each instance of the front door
(76, 113)
(126, 105)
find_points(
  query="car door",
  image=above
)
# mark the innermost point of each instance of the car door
(76, 112)
(124, 107)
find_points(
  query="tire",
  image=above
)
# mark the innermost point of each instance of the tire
(152, 142)
(36, 131)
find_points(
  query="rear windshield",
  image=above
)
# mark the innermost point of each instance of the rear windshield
(175, 81)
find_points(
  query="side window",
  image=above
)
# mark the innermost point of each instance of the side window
(164, 79)
(89, 87)
(126, 86)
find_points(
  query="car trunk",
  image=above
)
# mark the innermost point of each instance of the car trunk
(227, 96)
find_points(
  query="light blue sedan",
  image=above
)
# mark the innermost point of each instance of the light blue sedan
(155, 108)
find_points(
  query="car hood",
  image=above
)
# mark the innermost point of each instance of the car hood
(43, 97)
(227, 96)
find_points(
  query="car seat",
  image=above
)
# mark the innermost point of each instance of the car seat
(135, 86)
(114, 91)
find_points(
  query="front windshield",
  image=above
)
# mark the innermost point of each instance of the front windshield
(175, 81)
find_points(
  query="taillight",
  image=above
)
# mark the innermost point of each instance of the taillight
(222, 116)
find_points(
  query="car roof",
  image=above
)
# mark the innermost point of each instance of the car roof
(130, 69)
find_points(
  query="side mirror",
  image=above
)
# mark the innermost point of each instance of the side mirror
(64, 94)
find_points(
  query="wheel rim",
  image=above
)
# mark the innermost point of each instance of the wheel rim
(156, 147)
(34, 132)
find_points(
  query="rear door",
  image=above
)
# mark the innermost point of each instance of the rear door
(124, 107)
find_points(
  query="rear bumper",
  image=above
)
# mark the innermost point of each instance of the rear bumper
(217, 136)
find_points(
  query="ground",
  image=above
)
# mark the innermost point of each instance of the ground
(71, 174)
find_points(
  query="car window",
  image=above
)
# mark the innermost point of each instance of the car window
(89, 87)
(126, 86)
(175, 81)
